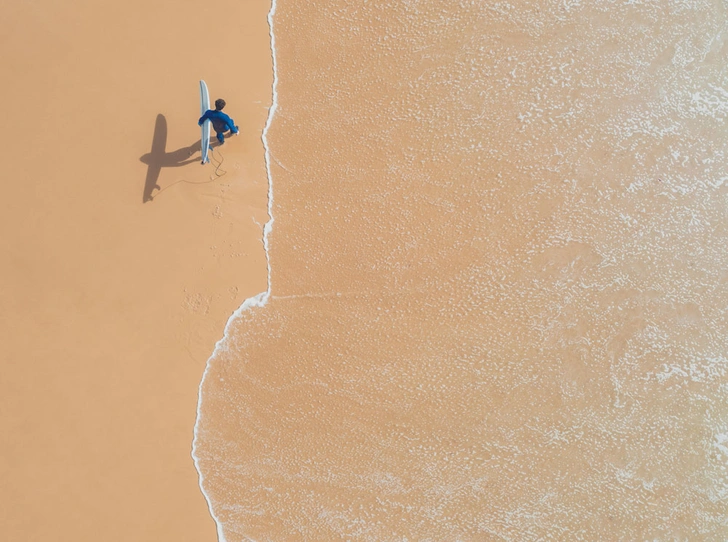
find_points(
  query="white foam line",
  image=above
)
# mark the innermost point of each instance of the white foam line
(256, 301)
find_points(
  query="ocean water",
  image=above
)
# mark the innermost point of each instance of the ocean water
(498, 279)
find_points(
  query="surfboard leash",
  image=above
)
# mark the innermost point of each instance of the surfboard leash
(219, 172)
(215, 176)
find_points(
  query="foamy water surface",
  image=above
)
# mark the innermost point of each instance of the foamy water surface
(498, 279)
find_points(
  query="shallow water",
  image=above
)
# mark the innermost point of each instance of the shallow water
(498, 280)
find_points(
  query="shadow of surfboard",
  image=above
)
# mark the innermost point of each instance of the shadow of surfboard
(159, 158)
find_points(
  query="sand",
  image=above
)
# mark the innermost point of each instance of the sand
(115, 291)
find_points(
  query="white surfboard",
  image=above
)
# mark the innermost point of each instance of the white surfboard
(204, 106)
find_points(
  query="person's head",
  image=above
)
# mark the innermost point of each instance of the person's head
(219, 104)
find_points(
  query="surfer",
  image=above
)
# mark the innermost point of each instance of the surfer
(221, 123)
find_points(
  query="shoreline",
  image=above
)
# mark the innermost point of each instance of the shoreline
(118, 298)
(258, 300)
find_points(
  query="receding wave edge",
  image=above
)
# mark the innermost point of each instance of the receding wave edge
(258, 300)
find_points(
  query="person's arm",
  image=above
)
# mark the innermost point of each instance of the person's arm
(231, 124)
(203, 118)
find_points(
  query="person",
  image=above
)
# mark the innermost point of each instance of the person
(221, 123)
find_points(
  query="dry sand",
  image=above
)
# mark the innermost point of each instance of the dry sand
(111, 304)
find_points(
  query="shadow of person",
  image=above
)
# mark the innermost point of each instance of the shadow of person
(159, 157)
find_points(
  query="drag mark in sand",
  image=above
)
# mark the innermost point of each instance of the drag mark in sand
(258, 300)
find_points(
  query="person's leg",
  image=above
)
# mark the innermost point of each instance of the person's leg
(221, 137)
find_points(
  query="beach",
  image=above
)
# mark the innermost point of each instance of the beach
(123, 257)
(462, 275)
(497, 291)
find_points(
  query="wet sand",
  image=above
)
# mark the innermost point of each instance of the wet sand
(498, 287)
(123, 257)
